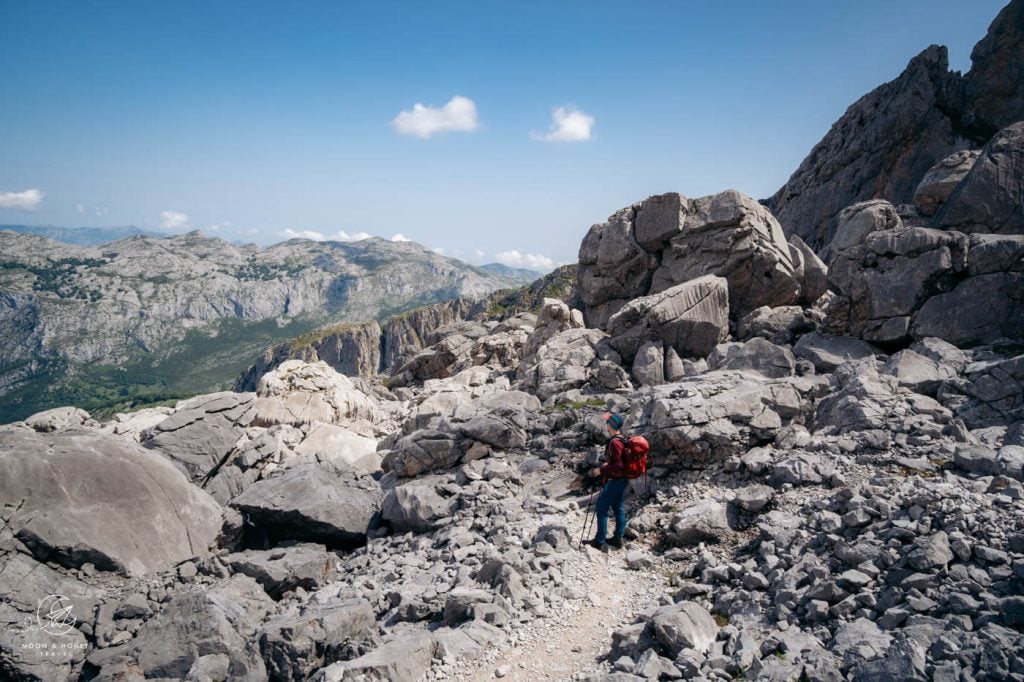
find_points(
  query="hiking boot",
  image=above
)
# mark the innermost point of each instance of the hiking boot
(600, 546)
(615, 543)
(630, 534)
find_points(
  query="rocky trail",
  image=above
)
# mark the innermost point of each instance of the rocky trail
(572, 641)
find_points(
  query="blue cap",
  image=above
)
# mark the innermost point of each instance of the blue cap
(615, 420)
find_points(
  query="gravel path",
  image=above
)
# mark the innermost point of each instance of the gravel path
(568, 643)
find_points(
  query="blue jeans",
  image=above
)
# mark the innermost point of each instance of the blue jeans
(613, 495)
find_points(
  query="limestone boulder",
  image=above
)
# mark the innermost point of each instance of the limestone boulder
(941, 179)
(691, 318)
(730, 235)
(298, 393)
(95, 498)
(991, 196)
(756, 355)
(322, 502)
(303, 564)
(415, 507)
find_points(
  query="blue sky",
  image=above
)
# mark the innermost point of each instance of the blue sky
(256, 121)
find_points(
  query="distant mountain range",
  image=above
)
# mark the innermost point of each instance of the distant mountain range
(144, 318)
(82, 236)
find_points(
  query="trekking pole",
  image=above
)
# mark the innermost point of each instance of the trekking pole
(586, 518)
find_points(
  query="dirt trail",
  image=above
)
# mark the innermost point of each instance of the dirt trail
(572, 640)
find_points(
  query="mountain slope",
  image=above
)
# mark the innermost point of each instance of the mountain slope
(172, 316)
(82, 236)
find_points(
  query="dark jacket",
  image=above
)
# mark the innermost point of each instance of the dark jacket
(614, 466)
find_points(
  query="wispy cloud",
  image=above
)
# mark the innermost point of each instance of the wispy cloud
(568, 124)
(98, 211)
(339, 236)
(400, 238)
(423, 121)
(174, 220)
(28, 200)
(533, 261)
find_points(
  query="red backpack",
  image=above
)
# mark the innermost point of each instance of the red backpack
(634, 456)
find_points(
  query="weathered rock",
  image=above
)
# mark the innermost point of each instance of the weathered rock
(811, 271)
(917, 372)
(415, 507)
(756, 355)
(649, 364)
(422, 451)
(220, 619)
(329, 442)
(403, 659)
(686, 625)
(991, 393)
(827, 353)
(858, 221)
(865, 155)
(58, 419)
(279, 570)
(312, 502)
(294, 645)
(941, 179)
(691, 318)
(159, 518)
(299, 393)
(931, 552)
(730, 235)
(802, 469)
(754, 498)
(990, 198)
(613, 268)
(566, 361)
(698, 523)
(780, 325)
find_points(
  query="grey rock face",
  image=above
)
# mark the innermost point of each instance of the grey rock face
(941, 179)
(885, 280)
(990, 393)
(160, 519)
(415, 507)
(811, 270)
(858, 221)
(802, 469)
(919, 373)
(994, 94)
(864, 155)
(312, 502)
(649, 364)
(991, 196)
(691, 318)
(780, 325)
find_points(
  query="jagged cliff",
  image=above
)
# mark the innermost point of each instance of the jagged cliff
(887, 140)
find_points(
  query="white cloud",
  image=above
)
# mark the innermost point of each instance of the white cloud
(533, 261)
(339, 236)
(423, 121)
(81, 209)
(28, 200)
(438, 250)
(400, 238)
(343, 236)
(568, 124)
(304, 234)
(173, 220)
(98, 211)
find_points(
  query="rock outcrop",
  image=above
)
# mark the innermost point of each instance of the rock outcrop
(888, 141)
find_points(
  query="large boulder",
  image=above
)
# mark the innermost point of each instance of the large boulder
(207, 621)
(700, 522)
(304, 564)
(201, 431)
(93, 498)
(692, 318)
(731, 236)
(324, 503)
(991, 197)
(405, 658)
(422, 451)
(567, 361)
(756, 355)
(941, 179)
(856, 222)
(686, 625)
(416, 507)
(298, 393)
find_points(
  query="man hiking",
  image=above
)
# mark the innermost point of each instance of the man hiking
(616, 478)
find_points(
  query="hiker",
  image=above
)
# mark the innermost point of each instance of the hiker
(614, 476)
